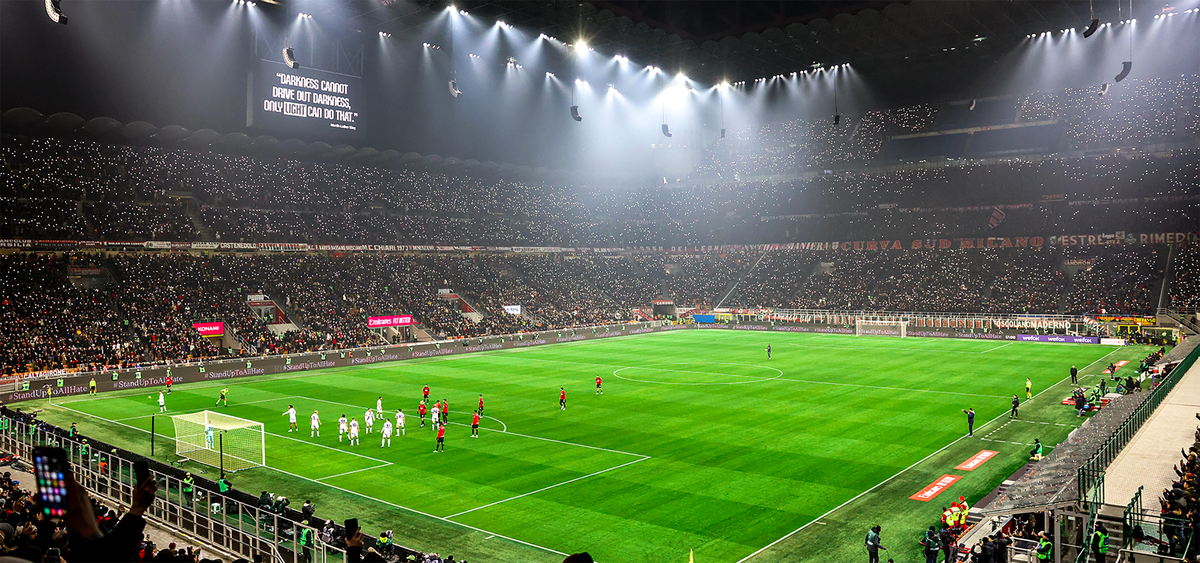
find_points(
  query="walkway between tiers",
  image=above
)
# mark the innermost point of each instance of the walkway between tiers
(1147, 459)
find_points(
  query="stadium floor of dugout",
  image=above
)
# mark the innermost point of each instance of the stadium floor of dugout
(699, 442)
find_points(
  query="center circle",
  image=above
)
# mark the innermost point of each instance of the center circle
(694, 374)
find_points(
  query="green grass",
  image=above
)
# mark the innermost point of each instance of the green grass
(699, 442)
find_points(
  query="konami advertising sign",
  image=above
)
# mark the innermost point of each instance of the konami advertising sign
(389, 320)
(216, 328)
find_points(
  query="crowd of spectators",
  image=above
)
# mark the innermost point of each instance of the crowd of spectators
(1180, 511)
(144, 310)
(1185, 286)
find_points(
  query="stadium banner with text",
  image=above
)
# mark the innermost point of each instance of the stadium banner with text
(389, 320)
(512, 309)
(1060, 338)
(154, 376)
(935, 488)
(976, 460)
(305, 100)
(214, 328)
(1128, 320)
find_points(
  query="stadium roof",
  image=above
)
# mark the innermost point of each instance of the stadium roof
(715, 41)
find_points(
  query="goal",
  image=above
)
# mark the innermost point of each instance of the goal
(234, 443)
(867, 326)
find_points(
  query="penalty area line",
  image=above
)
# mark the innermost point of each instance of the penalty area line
(550, 487)
(355, 493)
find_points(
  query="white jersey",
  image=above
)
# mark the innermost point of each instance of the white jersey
(369, 417)
(400, 419)
(342, 424)
(379, 405)
(291, 415)
(162, 401)
(435, 412)
(315, 420)
(354, 428)
(387, 428)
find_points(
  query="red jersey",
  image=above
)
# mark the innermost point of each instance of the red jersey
(421, 409)
(426, 390)
(598, 380)
(445, 406)
(481, 402)
(441, 432)
(169, 380)
(475, 419)
(562, 395)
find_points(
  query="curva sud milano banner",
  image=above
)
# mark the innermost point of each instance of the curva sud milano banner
(217, 370)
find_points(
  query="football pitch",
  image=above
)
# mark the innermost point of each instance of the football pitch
(699, 442)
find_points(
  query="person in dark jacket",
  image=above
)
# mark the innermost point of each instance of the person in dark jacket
(1001, 541)
(946, 538)
(121, 544)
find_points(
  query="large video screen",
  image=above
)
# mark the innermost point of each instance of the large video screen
(309, 102)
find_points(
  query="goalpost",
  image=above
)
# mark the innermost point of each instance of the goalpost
(863, 325)
(205, 436)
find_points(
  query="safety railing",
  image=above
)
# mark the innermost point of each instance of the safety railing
(1128, 518)
(1092, 471)
(192, 509)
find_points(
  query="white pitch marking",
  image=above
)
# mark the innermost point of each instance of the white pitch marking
(997, 348)
(548, 488)
(355, 471)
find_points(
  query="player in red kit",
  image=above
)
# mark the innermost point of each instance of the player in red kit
(475, 425)
(562, 399)
(425, 394)
(169, 382)
(481, 404)
(421, 411)
(599, 389)
(441, 439)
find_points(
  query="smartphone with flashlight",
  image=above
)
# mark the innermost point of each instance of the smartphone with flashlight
(51, 468)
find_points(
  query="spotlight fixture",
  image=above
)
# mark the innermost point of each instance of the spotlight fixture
(575, 113)
(722, 133)
(289, 58)
(1092, 28)
(1125, 68)
(666, 129)
(454, 91)
(55, 12)
(837, 118)
(1103, 89)
(549, 74)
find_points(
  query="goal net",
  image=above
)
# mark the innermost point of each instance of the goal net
(872, 327)
(205, 436)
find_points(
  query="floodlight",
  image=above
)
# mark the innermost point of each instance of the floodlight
(1092, 28)
(575, 113)
(289, 58)
(837, 118)
(666, 129)
(722, 132)
(55, 12)
(1125, 68)
(581, 45)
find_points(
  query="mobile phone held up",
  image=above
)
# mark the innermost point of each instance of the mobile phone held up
(51, 468)
(351, 527)
(141, 472)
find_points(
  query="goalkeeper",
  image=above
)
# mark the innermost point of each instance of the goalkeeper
(208, 435)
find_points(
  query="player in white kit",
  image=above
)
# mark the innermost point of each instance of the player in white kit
(162, 402)
(342, 427)
(387, 433)
(353, 432)
(314, 425)
(379, 407)
(400, 422)
(434, 413)
(369, 420)
(291, 414)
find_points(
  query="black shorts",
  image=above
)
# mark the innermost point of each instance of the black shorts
(440, 440)
(474, 426)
